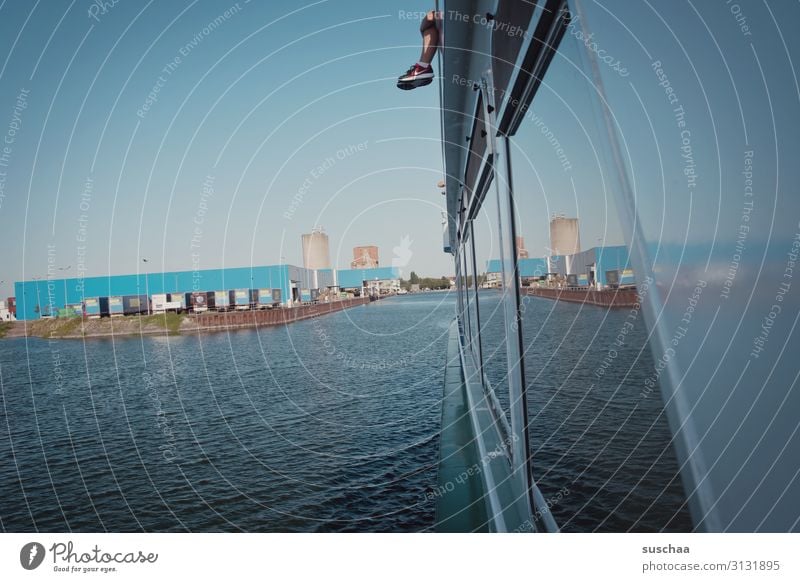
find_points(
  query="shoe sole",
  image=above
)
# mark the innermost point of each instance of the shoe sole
(407, 85)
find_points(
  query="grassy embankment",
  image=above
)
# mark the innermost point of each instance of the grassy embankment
(76, 327)
(5, 326)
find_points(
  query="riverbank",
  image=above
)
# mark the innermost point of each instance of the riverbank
(170, 323)
(605, 298)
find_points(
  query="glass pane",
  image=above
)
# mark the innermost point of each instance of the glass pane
(601, 450)
(705, 178)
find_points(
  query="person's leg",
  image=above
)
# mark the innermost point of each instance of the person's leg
(421, 73)
(430, 37)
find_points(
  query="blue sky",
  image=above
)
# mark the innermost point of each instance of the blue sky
(259, 104)
(238, 131)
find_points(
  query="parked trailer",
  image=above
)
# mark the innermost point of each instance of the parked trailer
(627, 279)
(111, 307)
(178, 299)
(256, 295)
(265, 298)
(197, 301)
(239, 299)
(617, 278)
(134, 304)
(218, 300)
(91, 307)
(160, 303)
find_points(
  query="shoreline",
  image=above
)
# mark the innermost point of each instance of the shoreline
(612, 298)
(172, 323)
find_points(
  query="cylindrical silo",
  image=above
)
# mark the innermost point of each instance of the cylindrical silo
(316, 252)
(564, 236)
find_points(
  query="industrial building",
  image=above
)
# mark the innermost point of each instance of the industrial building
(380, 280)
(598, 268)
(7, 310)
(529, 269)
(365, 257)
(240, 288)
(287, 284)
(316, 250)
(601, 267)
(45, 297)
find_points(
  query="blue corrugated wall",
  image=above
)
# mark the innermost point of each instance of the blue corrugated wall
(29, 294)
(527, 267)
(611, 259)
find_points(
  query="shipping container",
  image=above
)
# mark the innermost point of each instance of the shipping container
(158, 303)
(12, 306)
(315, 295)
(197, 301)
(218, 300)
(239, 299)
(265, 298)
(111, 307)
(305, 295)
(617, 278)
(255, 298)
(134, 304)
(178, 299)
(627, 279)
(161, 303)
(91, 307)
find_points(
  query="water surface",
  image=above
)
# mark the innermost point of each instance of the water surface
(324, 425)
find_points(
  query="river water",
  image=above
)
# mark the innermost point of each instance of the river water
(323, 425)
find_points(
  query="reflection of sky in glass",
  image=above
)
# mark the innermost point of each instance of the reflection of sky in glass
(706, 115)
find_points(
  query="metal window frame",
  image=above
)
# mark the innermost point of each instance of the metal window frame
(497, 148)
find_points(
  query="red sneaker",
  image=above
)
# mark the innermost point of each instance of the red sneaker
(415, 77)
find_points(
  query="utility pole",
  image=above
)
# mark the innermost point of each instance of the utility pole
(38, 298)
(146, 290)
(64, 279)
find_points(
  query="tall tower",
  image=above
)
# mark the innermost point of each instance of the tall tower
(522, 252)
(564, 236)
(316, 251)
(364, 257)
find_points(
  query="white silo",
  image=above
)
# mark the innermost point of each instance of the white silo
(564, 236)
(316, 251)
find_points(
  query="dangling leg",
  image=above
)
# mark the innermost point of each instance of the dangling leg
(421, 73)
(430, 38)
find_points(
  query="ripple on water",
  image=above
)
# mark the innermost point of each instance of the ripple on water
(324, 425)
